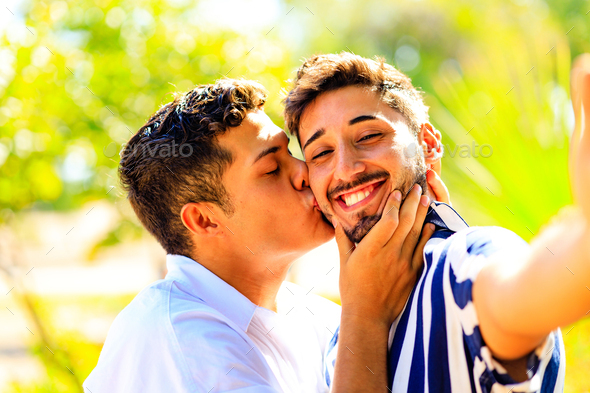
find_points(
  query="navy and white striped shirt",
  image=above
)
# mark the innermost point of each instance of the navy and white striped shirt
(435, 344)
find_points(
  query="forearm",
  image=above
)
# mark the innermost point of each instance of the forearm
(361, 363)
(560, 261)
(523, 297)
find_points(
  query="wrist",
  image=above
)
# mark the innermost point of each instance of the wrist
(359, 320)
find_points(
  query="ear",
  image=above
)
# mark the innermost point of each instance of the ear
(430, 141)
(200, 219)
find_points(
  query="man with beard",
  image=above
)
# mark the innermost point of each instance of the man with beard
(484, 316)
(211, 178)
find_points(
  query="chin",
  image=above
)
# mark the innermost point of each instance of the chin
(362, 227)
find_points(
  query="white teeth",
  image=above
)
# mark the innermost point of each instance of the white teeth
(352, 199)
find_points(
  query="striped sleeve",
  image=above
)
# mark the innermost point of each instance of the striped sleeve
(330, 358)
(435, 343)
(468, 252)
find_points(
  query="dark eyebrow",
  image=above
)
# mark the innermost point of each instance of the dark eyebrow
(266, 152)
(361, 118)
(318, 134)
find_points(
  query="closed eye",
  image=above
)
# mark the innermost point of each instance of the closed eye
(321, 154)
(367, 137)
(275, 172)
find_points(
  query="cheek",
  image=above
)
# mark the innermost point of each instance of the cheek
(397, 147)
(407, 147)
(269, 205)
(393, 155)
(317, 183)
(254, 205)
(327, 211)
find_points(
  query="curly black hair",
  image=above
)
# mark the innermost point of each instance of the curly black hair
(175, 159)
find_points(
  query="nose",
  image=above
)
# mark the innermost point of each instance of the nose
(347, 165)
(299, 174)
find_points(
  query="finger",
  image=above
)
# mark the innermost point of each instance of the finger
(418, 257)
(407, 217)
(580, 91)
(584, 141)
(576, 96)
(441, 192)
(381, 232)
(413, 237)
(345, 246)
(579, 83)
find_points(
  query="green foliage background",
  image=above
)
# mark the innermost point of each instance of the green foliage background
(87, 73)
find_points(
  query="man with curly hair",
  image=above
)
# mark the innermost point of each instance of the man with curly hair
(211, 178)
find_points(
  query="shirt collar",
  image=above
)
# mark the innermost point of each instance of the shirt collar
(445, 217)
(200, 282)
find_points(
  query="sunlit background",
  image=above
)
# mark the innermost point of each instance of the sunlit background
(77, 77)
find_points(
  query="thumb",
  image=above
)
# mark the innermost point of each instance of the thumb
(576, 95)
(439, 188)
(580, 92)
(345, 246)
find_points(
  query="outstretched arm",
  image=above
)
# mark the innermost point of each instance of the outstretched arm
(521, 297)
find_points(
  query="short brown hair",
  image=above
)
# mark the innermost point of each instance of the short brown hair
(323, 73)
(160, 181)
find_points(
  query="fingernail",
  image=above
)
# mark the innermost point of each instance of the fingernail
(397, 195)
(424, 200)
(418, 188)
(335, 223)
(431, 225)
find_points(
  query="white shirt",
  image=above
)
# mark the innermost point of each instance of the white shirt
(193, 332)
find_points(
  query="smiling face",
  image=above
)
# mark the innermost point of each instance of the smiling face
(275, 212)
(356, 149)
